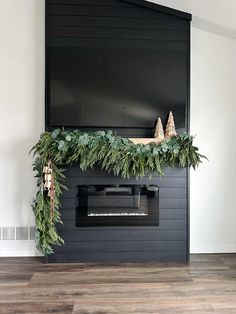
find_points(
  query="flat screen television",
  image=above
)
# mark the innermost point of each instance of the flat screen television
(114, 88)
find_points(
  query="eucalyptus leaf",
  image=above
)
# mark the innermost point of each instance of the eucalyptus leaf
(55, 133)
(68, 138)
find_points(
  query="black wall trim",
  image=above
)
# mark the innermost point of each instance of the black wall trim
(188, 130)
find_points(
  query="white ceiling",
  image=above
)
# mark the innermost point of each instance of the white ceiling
(217, 16)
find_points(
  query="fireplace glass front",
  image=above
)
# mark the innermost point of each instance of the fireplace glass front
(117, 205)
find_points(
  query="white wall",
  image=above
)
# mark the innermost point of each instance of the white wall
(218, 16)
(213, 112)
(213, 213)
(21, 107)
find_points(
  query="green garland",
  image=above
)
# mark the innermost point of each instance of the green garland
(101, 149)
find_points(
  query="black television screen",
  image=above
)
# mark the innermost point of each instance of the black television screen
(115, 87)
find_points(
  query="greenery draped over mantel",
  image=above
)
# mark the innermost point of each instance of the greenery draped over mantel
(102, 149)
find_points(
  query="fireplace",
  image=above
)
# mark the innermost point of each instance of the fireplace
(107, 218)
(117, 205)
(96, 232)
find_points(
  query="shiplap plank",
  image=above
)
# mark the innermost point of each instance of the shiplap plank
(122, 246)
(116, 33)
(96, 10)
(74, 171)
(121, 233)
(117, 22)
(105, 257)
(165, 224)
(117, 43)
(111, 3)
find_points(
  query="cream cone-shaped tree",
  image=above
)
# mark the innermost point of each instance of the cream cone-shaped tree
(159, 131)
(170, 126)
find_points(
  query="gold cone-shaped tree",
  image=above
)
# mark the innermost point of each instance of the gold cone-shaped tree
(170, 126)
(159, 131)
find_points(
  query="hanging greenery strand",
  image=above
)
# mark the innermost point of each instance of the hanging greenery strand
(102, 149)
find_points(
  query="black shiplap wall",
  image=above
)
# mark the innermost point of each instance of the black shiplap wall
(166, 242)
(113, 24)
(120, 24)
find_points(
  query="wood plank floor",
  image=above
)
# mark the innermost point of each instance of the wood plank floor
(206, 285)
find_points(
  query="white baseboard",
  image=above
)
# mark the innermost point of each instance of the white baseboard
(211, 249)
(20, 248)
(23, 248)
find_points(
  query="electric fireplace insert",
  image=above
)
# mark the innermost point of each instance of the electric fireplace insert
(117, 205)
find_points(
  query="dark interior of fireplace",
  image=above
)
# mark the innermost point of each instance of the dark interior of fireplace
(117, 205)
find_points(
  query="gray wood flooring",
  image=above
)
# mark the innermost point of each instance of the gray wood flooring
(206, 285)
